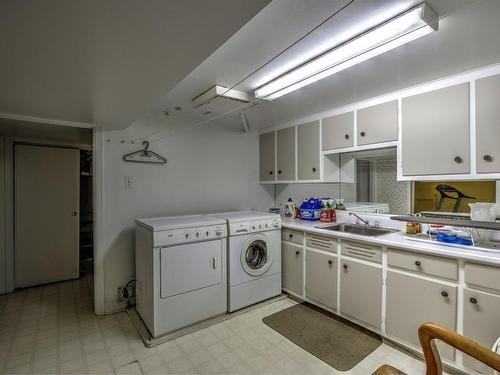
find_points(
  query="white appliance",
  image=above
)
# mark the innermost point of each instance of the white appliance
(180, 271)
(254, 257)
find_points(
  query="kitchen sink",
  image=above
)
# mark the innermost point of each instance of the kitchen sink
(359, 229)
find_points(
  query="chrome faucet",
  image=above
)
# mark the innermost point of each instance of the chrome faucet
(366, 222)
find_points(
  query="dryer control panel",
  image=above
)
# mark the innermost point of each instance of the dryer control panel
(186, 235)
(254, 226)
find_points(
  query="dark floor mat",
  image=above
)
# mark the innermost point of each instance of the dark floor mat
(328, 337)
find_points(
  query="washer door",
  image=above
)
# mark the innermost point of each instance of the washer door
(256, 255)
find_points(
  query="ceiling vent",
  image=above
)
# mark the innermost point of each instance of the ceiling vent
(219, 100)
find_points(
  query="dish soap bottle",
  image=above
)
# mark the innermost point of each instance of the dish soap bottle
(290, 209)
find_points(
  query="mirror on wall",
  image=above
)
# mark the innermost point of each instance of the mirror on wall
(369, 183)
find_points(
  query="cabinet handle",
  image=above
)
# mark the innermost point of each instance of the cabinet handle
(330, 262)
(487, 158)
(271, 173)
(214, 263)
(362, 134)
(473, 300)
(344, 266)
(417, 263)
(346, 136)
(444, 294)
(279, 171)
(458, 159)
(314, 169)
(290, 235)
(297, 252)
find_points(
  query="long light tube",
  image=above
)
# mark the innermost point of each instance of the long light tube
(400, 30)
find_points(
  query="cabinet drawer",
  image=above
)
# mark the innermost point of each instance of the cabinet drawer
(482, 275)
(292, 236)
(362, 251)
(426, 264)
(321, 242)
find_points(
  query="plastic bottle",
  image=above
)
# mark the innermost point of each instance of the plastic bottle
(290, 209)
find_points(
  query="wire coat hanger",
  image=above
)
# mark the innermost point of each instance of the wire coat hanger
(145, 156)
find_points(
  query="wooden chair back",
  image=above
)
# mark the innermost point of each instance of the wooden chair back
(429, 332)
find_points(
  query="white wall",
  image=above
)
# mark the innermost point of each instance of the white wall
(210, 168)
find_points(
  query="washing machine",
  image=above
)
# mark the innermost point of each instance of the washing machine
(254, 257)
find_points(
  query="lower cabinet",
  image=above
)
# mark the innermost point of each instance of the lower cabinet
(412, 301)
(361, 291)
(481, 323)
(292, 268)
(321, 277)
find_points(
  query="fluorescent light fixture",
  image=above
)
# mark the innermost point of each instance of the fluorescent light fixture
(408, 26)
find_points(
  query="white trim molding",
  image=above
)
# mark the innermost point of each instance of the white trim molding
(45, 121)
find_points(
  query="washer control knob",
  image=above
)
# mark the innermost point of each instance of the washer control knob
(208, 233)
(218, 232)
(275, 223)
(260, 226)
(253, 227)
(186, 235)
(197, 234)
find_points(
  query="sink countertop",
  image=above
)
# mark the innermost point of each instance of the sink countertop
(396, 240)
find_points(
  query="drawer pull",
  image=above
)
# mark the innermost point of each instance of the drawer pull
(473, 300)
(344, 266)
(418, 263)
(297, 252)
(458, 160)
(487, 158)
(330, 262)
(444, 294)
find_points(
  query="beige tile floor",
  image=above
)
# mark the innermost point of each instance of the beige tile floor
(52, 330)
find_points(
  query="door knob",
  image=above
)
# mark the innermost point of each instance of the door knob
(330, 262)
(417, 263)
(473, 300)
(346, 136)
(458, 159)
(345, 266)
(270, 172)
(74, 213)
(314, 169)
(362, 134)
(444, 294)
(279, 172)
(487, 158)
(297, 253)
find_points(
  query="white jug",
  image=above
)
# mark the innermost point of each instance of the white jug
(483, 212)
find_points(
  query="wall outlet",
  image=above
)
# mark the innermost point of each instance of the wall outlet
(120, 297)
(128, 181)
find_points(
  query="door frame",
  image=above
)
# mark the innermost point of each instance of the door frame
(97, 147)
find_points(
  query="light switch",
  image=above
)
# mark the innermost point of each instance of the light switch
(128, 182)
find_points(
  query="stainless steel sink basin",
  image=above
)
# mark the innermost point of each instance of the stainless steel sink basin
(359, 229)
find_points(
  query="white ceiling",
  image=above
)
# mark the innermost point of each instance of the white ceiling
(106, 61)
(117, 75)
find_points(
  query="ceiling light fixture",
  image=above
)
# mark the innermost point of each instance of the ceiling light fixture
(404, 28)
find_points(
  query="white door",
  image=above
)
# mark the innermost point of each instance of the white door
(46, 190)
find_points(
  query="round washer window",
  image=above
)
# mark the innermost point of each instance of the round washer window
(256, 255)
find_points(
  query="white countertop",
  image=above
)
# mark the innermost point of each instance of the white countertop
(396, 240)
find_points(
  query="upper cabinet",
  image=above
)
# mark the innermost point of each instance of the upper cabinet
(267, 156)
(378, 123)
(338, 131)
(435, 132)
(285, 149)
(488, 124)
(308, 151)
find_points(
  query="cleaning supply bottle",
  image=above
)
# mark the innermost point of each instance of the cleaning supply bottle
(290, 209)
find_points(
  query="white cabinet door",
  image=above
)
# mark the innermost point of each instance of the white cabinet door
(286, 153)
(361, 292)
(308, 151)
(292, 268)
(321, 278)
(435, 132)
(267, 156)
(338, 131)
(412, 301)
(481, 322)
(488, 124)
(378, 123)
